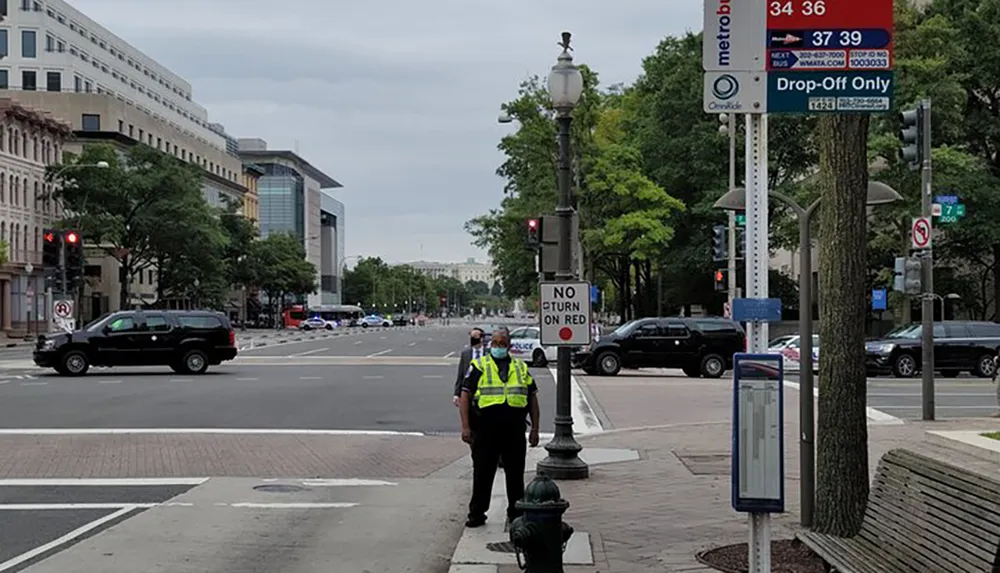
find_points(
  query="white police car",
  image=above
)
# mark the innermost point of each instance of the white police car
(526, 345)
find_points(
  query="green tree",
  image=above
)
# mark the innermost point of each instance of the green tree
(240, 234)
(281, 269)
(477, 288)
(118, 207)
(497, 289)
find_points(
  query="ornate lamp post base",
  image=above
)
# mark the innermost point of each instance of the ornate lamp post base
(563, 463)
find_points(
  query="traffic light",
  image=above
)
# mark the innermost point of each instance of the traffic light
(912, 135)
(73, 243)
(741, 242)
(720, 280)
(719, 251)
(51, 244)
(906, 275)
(534, 233)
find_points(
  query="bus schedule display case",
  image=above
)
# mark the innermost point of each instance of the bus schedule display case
(758, 468)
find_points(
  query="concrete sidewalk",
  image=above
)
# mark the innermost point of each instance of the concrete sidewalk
(656, 513)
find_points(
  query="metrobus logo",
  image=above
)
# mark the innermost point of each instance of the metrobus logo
(724, 13)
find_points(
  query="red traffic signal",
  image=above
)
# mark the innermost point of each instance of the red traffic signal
(719, 277)
(72, 238)
(49, 237)
(532, 224)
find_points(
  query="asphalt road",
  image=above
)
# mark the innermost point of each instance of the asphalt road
(397, 380)
(954, 397)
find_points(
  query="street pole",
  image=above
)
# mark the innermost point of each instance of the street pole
(563, 461)
(731, 267)
(807, 433)
(927, 271)
(757, 288)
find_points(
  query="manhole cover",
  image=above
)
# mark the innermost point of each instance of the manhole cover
(279, 488)
(502, 547)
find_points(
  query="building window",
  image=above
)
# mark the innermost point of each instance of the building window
(131, 130)
(28, 81)
(77, 84)
(53, 81)
(25, 5)
(28, 47)
(50, 43)
(88, 86)
(121, 126)
(60, 46)
(91, 122)
(4, 81)
(3, 7)
(3, 43)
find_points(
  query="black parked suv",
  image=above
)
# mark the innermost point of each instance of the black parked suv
(186, 341)
(959, 346)
(698, 346)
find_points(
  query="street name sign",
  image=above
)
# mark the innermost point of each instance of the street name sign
(565, 313)
(921, 233)
(758, 468)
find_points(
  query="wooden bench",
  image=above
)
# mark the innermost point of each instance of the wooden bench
(923, 516)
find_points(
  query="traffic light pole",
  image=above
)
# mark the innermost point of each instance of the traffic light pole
(927, 268)
(731, 266)
(63, 282)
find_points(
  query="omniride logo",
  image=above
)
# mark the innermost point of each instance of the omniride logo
(725, 87)
(724, 47)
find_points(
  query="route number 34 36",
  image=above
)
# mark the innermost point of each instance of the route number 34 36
(809, 8)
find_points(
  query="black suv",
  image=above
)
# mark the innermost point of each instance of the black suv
(698, 346)
(186, 341)
(959, 346)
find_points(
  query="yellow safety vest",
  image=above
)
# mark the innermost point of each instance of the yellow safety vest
(492, 391)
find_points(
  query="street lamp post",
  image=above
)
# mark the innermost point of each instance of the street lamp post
(565, 86)
(728, 127)
(735, 200)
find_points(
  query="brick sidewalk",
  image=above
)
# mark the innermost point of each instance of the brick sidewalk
(656, 513)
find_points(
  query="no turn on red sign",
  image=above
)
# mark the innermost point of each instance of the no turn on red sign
(565, 313)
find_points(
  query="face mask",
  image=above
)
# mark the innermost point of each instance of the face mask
(498, 352)
(475, 341)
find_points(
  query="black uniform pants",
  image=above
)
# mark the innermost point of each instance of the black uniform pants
(490, 448)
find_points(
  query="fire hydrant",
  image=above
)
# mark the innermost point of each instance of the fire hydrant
(540, 533)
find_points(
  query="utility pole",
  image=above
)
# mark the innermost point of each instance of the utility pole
(731, 266)
(927, 268)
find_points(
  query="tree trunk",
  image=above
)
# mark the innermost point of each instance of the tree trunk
(996, 284)
(626, 297)
(842, 444)
(124, 276)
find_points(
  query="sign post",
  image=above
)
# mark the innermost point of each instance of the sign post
(565, 313)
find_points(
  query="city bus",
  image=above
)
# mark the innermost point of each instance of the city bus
(342, 313)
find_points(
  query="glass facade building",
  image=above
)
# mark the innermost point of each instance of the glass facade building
(282, 201)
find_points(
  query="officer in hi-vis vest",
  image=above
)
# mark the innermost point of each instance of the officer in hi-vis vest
(504, 394)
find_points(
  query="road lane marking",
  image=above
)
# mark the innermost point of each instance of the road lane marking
(374, 377)
(875, 417)
(310, 377)
(33, 384)
(387, 351)
(413, 344)
(181, 380)
(308, 352)
(182, 431)
(357, 342)
(449, 355)
(109, 381)
(42, 549)
(2, 382)
(99, 482)
(247, 379)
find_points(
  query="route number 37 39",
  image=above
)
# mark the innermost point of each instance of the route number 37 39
(809, 8)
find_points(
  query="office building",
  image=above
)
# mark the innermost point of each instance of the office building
(50, 46)
(470, 270)
(290, 194)
(332, 250)
(29, 141)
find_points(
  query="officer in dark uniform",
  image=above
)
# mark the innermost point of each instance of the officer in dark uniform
(504, 394)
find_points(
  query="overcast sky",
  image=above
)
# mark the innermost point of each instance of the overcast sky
(395, 99)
